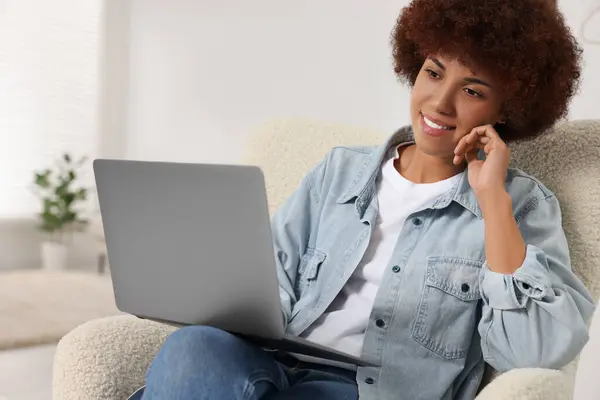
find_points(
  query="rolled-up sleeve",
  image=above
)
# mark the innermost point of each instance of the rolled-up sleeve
(537, 316)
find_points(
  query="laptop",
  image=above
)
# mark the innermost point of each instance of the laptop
(191, 244)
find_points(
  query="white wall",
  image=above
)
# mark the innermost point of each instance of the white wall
(187, 80)
(204, 73)
(585, 104)
(48, 105)
(48, 90)
(114, 78)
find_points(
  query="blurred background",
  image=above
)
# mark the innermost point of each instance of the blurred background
(178, 80)
(187, 80)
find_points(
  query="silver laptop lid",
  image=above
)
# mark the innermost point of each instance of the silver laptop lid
(190, 244)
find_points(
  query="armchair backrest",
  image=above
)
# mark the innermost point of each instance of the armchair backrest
(566, 159)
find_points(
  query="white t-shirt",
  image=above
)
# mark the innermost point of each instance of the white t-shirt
(343, 325)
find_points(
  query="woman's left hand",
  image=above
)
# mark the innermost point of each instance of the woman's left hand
(489, 175)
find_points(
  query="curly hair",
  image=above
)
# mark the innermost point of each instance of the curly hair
(525, 44)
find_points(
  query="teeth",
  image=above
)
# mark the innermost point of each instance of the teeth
(434, 125)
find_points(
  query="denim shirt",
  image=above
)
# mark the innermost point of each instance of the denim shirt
(444, 311)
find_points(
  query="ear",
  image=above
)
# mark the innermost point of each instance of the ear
(501, 118)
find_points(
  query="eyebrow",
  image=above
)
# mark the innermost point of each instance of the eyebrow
(438, 63)
(477, 81)
(468, 80)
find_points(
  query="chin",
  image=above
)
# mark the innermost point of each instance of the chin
(440, 147)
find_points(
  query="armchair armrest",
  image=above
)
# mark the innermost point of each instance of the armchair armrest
(106, 358)
(530, 384)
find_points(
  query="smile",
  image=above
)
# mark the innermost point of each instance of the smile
(435, 128)
(433, 125)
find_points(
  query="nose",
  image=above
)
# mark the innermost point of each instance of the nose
(443, 100)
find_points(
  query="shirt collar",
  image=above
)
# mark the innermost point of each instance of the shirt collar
(363, 186)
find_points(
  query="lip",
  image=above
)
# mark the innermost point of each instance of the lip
(433, 131)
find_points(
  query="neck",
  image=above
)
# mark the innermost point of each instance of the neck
(418, 167)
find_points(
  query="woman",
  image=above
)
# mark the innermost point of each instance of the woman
(428, 254)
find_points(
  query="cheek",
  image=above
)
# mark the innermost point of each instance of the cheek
(417, 97)
(459, 134)
(474, 113)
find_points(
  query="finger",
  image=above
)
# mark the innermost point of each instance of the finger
(467, 147)
(471, 156)
(492, 141)
(464, 144)
(461, 145)
(481, 137)
(474, 135)
(460, 157)
(488, 148)
(486, 131)
(456, 160)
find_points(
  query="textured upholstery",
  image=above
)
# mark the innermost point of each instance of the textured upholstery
(107, 358)
(567, 160)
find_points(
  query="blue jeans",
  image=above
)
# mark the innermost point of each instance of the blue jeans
(199, 362)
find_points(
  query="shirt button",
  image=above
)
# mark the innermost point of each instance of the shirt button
(465, 287)
(370, 381)
(396, 268)
(380, 323)
(526, 286)
(417, 221)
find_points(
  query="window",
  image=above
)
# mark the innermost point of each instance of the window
(48, 92)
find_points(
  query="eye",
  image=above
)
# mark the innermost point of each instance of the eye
(472, 93)
(432, 74)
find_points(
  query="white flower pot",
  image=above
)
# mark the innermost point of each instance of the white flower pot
(54, 256)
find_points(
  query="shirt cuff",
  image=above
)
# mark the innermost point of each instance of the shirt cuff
(530, 281)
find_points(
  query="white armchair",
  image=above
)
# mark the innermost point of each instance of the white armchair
(107, 358)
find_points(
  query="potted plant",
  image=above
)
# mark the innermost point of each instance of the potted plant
(59, 216)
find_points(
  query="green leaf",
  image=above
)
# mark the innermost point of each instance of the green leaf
(62, 189)
(49, 205)
(50, 222)
(42, 179)
(69, 217)
(69, 198)
(81, 194)
(60, 196)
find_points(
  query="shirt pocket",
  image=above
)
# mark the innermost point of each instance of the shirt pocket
(308, 271)
(447, 313)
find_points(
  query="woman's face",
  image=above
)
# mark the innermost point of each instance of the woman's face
(448, 100)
